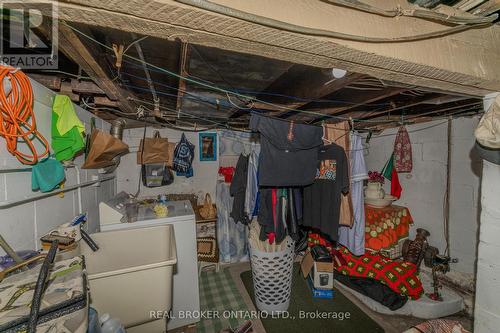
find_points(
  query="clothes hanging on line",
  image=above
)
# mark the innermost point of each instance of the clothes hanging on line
(354, 238)
(252, 188)
(277, 214)
(322, 199)
(338, 133)
(288, 151)
(66, 129)
(238, 190)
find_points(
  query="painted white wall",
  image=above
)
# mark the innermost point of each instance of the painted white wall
(424, 189)
(203, 180)
(487, 307)
(23, 225)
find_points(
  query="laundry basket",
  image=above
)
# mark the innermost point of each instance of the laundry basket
(272, 276)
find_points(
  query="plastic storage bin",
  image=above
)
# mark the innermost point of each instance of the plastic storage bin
(131, 274)
(272, 277)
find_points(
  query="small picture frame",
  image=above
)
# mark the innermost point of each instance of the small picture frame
(208, 146)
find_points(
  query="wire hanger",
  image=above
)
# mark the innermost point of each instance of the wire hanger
(324, 138)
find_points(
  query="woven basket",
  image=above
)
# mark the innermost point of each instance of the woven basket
(208, 210)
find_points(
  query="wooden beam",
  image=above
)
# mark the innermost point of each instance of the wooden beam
(183, 71)
(86, 87)
(364, 98)
(411, 102)
(71, 45)
(312, 85)
(50, 81)
(428, 112)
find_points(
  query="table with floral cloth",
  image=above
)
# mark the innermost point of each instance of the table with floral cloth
(386, 229)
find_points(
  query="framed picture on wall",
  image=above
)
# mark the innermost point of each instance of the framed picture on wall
(208, 146)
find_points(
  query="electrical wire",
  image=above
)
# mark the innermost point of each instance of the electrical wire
(226, 126)
(276, 24)
(66, 73)
(17, 119)
(142, 157)
(108, 109)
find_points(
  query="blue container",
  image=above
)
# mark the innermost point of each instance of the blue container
(94, 325)
(319, 293)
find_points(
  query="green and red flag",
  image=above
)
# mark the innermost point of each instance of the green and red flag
(389, 172)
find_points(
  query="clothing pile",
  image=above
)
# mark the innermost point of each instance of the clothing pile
(387, 281)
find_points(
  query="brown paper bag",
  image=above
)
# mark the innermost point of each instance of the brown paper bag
(103, 148)
(153, 150)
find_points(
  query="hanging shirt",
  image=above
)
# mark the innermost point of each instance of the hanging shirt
(354, 238)
(238, 190)
(322, 199)
(252, 181)
(288, 151)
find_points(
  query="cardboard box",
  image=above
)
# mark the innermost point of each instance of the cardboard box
(319, 293)
(321, 272)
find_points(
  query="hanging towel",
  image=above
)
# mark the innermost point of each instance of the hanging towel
(67, 118)
(47, 175)
(354, 238)
(66, 129)
(402, 151)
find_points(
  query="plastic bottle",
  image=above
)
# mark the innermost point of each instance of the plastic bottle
(110, 325)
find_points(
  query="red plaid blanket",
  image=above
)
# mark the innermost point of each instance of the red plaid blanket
(400, 276)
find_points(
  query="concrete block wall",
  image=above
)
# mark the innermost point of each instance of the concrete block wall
(424, 188)
(487, 308)
(205, 172)
(487, 305)
(24, 224)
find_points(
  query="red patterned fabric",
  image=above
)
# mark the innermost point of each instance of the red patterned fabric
(400, 276)
(386, 227)
(402, 151)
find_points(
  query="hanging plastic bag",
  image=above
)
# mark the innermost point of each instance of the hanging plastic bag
(155, 175)
(183, 155)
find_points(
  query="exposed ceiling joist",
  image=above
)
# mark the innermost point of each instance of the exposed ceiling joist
(183, 72)
(414, 101)
(364, 98)
(311, 87)
(73, 48)
(455, 107)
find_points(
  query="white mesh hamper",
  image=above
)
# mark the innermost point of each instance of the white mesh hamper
(272, 277)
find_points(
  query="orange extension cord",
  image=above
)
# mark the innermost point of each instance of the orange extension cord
(17, 120)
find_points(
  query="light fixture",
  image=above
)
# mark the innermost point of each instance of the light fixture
(338, 73)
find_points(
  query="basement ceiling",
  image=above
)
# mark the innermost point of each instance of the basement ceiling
(209, 87)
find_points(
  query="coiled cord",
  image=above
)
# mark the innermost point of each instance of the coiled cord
(17, 120)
